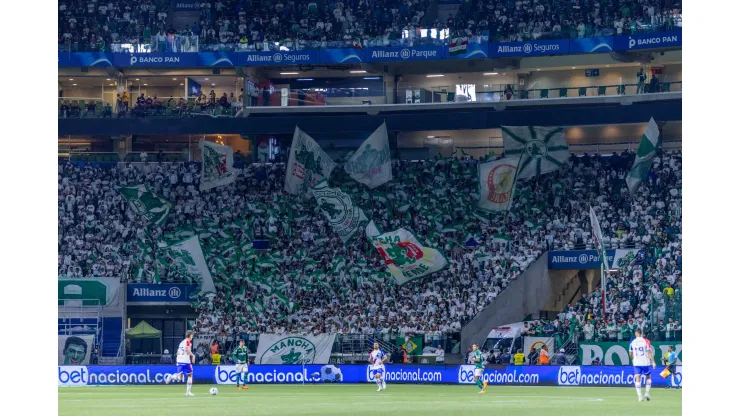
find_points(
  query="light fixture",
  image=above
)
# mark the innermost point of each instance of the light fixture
(107, 79)
(146, 85)
(137, 79)
(74, 85)
(435, 75)
(213, 85)
(370, 77)
(304, 79)
(358, 72)
(71, 79)
(112, 85)
(490, 73)
(182, 85)
(572, 67)
(538, 69)
(206, 79)
(607, 66)
(174, 79)
(288, 73)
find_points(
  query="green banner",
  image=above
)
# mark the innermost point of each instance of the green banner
(98, 291)
(617, 353)
(414, 344)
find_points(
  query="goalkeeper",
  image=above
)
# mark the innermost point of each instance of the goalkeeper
(241, 357)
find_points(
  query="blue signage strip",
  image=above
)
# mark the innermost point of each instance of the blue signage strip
(471, 51)
(411, 53)
(279, 58)
(352, 55)
(185, 5)
(342, 56)
(591, 45)
(647, 41)
(576, 259)
(162, 293)
(607, 376)
(533, 48)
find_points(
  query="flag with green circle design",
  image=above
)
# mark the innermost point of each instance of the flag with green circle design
(541, 149)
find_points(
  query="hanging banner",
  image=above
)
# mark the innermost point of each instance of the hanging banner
(406, 258)
(217, 168)
(371, 163)
(294, 349)
(75, 349)
(187, 260)
(95, 291)
(145, 202)
(617, 353)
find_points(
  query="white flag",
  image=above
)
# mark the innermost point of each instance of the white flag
(371, 163)
(343, 216)
(406, 258)
(542, 149)
(598, 238)
(644, 157)
(188, 261)
(307, 164)
(217, 166)
(497, 181)
(371, 230)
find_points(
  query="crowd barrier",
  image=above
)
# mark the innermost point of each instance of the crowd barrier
(609, 376)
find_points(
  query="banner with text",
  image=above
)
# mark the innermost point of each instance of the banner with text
(617, 353)
(587, 259)
(294, 349)
(647, 41)
(75, 349)
(160, 293)
(606, 376)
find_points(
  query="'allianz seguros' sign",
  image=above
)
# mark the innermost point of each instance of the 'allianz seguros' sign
(159, 293)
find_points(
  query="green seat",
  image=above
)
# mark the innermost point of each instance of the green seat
(544, 93)
(665, 87)
(563, 92)
(582, 92)
(602, 91)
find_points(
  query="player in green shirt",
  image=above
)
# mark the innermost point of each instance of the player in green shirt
(476, 358)
(241, 357)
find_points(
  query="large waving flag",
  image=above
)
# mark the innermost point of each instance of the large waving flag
(542, 149)
(307, 164)
(217, 167)
(371, 163)
(497, 180)
(644, 158)
(146, 203)
(345, 218)
(188, 261)
(406, 258)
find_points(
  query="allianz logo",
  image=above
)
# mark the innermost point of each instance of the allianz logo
(173, 292)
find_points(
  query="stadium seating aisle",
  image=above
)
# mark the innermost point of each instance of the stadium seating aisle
(245, 25)
(342, 288)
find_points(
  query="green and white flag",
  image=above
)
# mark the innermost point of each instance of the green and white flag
(598, 238)
(217, 165)
(497, 181)
(371, 230)
(188, 261)
(343, 216)
(501, 239)
(542, 149)
(644, 158)
(146, 203)
(371, 163)
(406, 258)
(307, 164)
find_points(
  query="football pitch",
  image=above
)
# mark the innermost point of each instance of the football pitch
(362, 399)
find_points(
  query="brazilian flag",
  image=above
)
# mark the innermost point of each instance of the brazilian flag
(413, 344)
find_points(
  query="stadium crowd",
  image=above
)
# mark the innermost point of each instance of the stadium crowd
(310, 282)
(90, 25)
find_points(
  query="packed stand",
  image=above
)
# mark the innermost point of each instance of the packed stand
(323, 285)
(245, 25)
(645, 291)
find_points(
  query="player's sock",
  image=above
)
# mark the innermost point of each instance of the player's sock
(190, 384)
(648, 383)
(379, 383)
(479, 383)
(637, 387)
(383, 382)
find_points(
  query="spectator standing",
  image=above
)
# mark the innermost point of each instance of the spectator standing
(166, 358)
(519, 358)
(439, 355)
(544, 359)
(641, 77)
(560, 358)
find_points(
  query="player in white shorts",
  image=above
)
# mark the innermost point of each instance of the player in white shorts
(377, 363)
(185, 360)
(641, 354)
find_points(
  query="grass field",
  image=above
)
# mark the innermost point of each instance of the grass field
(362, 399)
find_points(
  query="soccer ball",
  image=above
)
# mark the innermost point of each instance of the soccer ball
(331, 374)
(214, 391)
